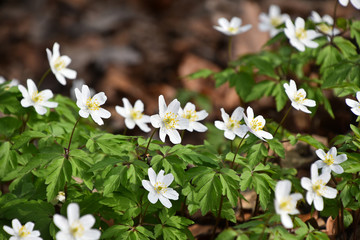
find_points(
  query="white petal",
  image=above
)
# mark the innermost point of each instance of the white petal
(168, 179)
(224, 115)
(202, 115)
(229, 134)
(25, 102)
(282, 189)
(320, 163)
(286, 221)
(40, 109)
(173, 106)
(329, 192)
(223, 22)
(61, 79)
(143, 126)
(344, 2)
(87, 221)
(321, 154)
(198, 127)
(103, 113)
(153, 197)
(69, 73)
(64, 235)
(171, 194)
(31, 87)
(130, 124)
(220, 125)
(166, 202)
(121, 111)
(349, 102)
(146, 184)
(73, 212)
(341, 158)
(299, 22)
(139, 106)
(356, 3)
(174, 136)
(29, 226)
(237, 114)
(97, 118)
(314, 172)
(310, 197)
(162, 105)
(152, 176)
(235, 22)
(91, 234)
(306, 183)
(318, 203)
(83, 113)
(155, 121)
(162, 134)
(250, 113)
(100, 98)
(61, 222)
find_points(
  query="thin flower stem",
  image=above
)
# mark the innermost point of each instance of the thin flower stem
(147, 147)
(143, 215)
(334, 23)
(282, 120)
(125, 130)
(231, 146)
(43, 77)
(218, 217)
(230, 48)
(67, 150)
(182, 135)
(23, 127)
(237, 150)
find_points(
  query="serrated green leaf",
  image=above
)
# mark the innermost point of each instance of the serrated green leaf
(59, 172)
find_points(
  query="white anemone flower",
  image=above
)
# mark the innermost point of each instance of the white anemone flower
(22, 232)
(14, 82)
(355, 3)
(324, 24)
(285, 203)
(298, 97)
(39, 100)
(300, 37)
(316, 188)
(158, 188)
(91, 105)
(271, 22)
(58, 64)
(193, 116)
(76, 227)
(134, 115)
(77, 83)
(256, 125)
(330, 161)
(355, 105)
(169, 121)
(232, 125)
(233, 27)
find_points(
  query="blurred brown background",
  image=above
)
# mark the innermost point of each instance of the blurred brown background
(138, 48)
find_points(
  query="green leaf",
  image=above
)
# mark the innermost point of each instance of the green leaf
(243, 83)
(25, 137)
(261, 89)
(347, 48)
(311, 140)
(8, 125)
(203, 73)
(278, 148)
(59, 172)
(223, 76)
(230, 185)
(256, 153)
(355, 31)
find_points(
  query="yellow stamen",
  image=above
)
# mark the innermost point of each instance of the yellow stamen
(275, 21)
(323, 27)
(36, 97)
(232, 124)
(191, 115)
(256, 125)
(170, 120)
(92, 104)
(136, 115)
(329, 159)
(286, 204)
(300, 33)
(299, 97)
(160, 187)
(233, 29)
(318, 187)
(59, 64)
(23, 232)
(77, 229)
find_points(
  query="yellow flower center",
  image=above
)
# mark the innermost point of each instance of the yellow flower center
(318, 187)
(286, 204)
(275, 21)
(256, 125)
(170, 120)
(136, 114)
(232, 124)
(299, 97)
(36, 97)
(300, 33)
(77, 229)
(160, 187)
(323, 27)
(233, 29)
(329, 159)
(23, 232)
(191, 115)
(59, 64)
(92, 104)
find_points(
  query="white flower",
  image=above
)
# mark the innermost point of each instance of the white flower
(58, 64)
(22, 232)
(75, 227)
(324, 24)
(32, 97)
(233, 27)
(91, 105)
(158, 188)
(14, 82)
(316, 188)
(298, 97)
(269, 23)
(231, 125)
(168, 120)
(61, 197)
(355, 3)
(298, 36)
(256, 125)
(193, 116)
(133, 115)
(355, 105)
(329, 161)
(285, 203)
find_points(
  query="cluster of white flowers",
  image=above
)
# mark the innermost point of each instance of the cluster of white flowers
(232, 125)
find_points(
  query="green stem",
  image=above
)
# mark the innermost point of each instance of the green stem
(282, 120)
(67, 150)
(230, 48)
(125, 130)
(43, 77)
(334, 23)
(147, 147)
(182, 135)
(237, 150)
(142, 216)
